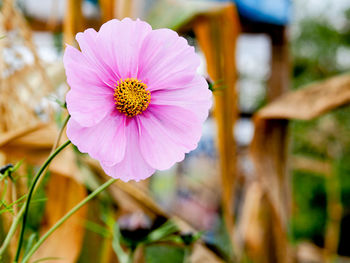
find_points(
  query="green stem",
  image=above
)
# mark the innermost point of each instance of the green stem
(131, 255)
(11, 232)
(60, 133)
(18, 217)
(31, 190)
(64, 218)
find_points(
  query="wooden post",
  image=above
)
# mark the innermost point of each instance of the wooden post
(269, 149)
(107, 9)
(72, 21)
(217, 35)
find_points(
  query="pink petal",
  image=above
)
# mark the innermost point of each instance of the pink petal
(94, 51)
(133, 166)
(105, 141)
(132, 148)
(167, 60)
(120, 43)
(80, 73)
(89, 99)
(89, 108)
(166, 134)
(194, 96)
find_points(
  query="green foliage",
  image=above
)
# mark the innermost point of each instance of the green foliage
(58, 41)
(37, 208)
(163, 244)
(117, 240)
(343, 171)
(220, 241)
(99, 225)
(310, 214)
(30, 242)
(9, 207)
(317, 50)
(48, 259)
(160, 253)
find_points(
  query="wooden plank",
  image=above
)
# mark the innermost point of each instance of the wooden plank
(217, 35)
(73, 20)
(269, 152)
(107, 9)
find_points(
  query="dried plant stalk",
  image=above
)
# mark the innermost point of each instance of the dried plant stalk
(19, 94)
(107, 9)
(73, 21)
(217, 34)
(268, 143)
(124, 8)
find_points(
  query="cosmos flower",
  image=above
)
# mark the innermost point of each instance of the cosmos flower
(136, 102)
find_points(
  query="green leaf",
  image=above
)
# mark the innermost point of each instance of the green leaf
(32, 238)
(190, 238)
(217, 85)
(122, 256)
(37, 208)
(98, 229)
(17, 165)
(4, 191)
(8, 208)
(165, 230)
(164, 254)
(46, 259)
(62, 104)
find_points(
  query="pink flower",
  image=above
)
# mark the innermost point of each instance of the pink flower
(136, 102)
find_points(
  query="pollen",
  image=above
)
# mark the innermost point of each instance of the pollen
(131, 96)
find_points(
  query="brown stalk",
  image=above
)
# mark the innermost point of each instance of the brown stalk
(217, 34)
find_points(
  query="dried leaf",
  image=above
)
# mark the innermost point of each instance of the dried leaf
(269, 147)
(309, 102)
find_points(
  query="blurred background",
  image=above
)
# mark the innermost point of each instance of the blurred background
(270, 179)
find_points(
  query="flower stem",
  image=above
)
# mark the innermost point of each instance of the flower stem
(18, 217)
(131, 256)
(60, 133)
(11, 232)
(31, 190)
(64, 218)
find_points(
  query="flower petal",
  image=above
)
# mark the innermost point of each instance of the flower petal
(121, 42)
(133, 166)
(194, 96)
(105, 141)
(132, 148)
(167, 60)
(89, 99)
(94, 51)
(80, 74)
(166, 134)
(89, 108)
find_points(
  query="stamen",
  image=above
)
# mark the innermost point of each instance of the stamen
(131, 96)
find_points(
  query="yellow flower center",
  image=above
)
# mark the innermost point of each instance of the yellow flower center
(131, 96)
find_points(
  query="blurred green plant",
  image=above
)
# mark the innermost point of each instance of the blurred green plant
(319, 51)
(164, 244)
